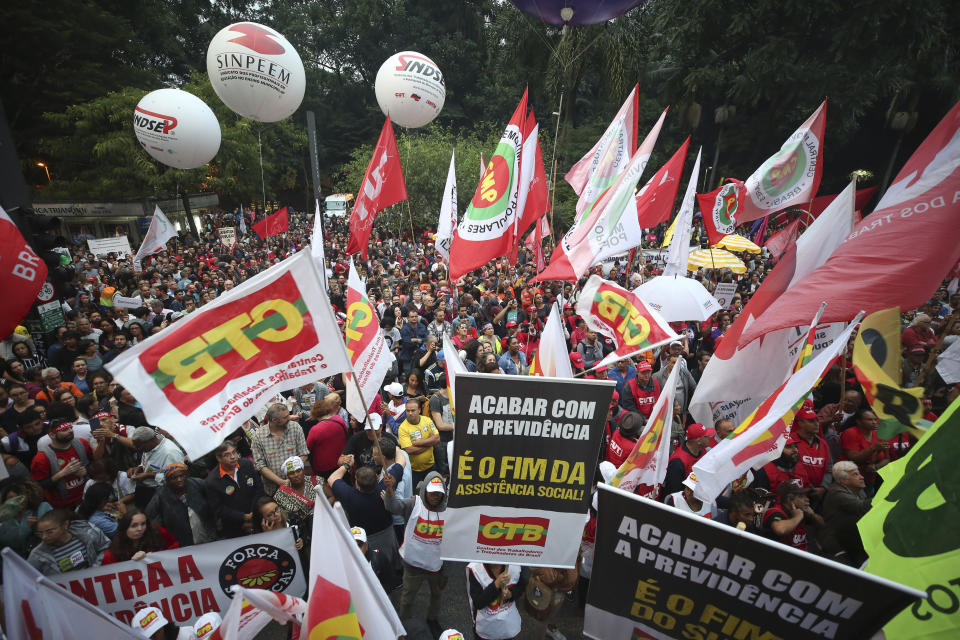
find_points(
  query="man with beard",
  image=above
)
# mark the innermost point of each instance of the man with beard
(812, 449)
(644, 390)
(786, 468)
(22, 443)
(61, 466)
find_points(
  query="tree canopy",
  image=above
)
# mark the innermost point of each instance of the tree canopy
(741, 75)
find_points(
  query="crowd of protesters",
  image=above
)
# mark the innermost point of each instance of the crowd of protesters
(92, 481)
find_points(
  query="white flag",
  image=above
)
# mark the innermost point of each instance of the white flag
(552, 359)
(448, 212)
(69, 616)
(366, 346)
(316, 246)
(341, 579)
(453, 364)
(678, 255)
(23, 612)
(253, 609)
(160, 231)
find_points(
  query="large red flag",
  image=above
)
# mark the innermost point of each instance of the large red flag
(875, 268)
(382, 186)
(537, 201)
(276, 222)
(779, 242)
(22, 273)
(721, 209)
(655, 199)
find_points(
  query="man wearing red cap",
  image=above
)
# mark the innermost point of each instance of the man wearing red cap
(786, 468)
(682, 460)
(645, 390)
(812, 449)
(576, 362)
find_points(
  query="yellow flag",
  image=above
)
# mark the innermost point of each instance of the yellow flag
(876, 362)
(668, 236)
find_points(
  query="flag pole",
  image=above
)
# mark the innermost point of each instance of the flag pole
(553, 171)
(413, 234)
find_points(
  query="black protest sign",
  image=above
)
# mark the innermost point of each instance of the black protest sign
(662, 573)
(526, 442)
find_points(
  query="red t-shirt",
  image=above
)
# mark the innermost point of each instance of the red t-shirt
(776, 475)
(326, 441)
(852, 439)
(40, 470)
(797, 538)
(619, 448)
(815, 459)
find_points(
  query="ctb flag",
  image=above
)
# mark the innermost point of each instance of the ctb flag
(277, 222)
(202, 377)
(382, 186)
(619, 314)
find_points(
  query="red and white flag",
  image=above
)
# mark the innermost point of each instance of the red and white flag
(721, 209)
(448, 211)
(483, 165)
(791, 176)
(253, 609)
(533, 200)
(369, 355)
(761, 437)
(871, 270)
(159, 233)
(22, 273)
(488, 227)
(619, 314)
(276, 223)
(739, 375)
(647, 463)
(382, 186)
(202, 377)
(608, 158)
(655, 199)
(610, 226)
(345, 595)
(778, 243)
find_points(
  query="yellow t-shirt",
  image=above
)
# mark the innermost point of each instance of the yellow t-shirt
(407, 433)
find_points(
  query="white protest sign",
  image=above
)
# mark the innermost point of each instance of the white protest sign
(724, 293)
(103, 246)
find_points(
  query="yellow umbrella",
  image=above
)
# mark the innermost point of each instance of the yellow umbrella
(715, 259)
(735, 242)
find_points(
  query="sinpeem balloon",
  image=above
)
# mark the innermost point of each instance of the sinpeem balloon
(410, 89)
(575, 12)
(177, 128)
(256, 72)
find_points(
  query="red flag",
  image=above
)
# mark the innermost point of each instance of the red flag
(875, 268)
(382, 186)
(537, 199)
(721, 209)
(276, 222)
(22, 273)
(778, 243)
(655, 199)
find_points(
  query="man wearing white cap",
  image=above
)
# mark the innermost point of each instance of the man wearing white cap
(421, 543)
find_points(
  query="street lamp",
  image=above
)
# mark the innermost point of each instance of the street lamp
(45, 168)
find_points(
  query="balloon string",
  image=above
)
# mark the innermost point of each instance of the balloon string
(263, 187)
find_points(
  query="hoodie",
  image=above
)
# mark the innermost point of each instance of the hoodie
(404, 506)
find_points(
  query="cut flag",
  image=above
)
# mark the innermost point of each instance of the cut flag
(647, 463)
(382, 186)
(620, 315)
(679, 253)
(160, 231)
(655, 199)
(778, 243)
(448, 212)
(871, 270)
(791, 176)
(739, 376)
(761, 437)
(876, 363)
(595, 172)
(533, 199)
(609, 226)
(276, 222)
(489, 224)
(551, 359)
(721, 209)
(345, 595)
(22, 273)
(366, 346)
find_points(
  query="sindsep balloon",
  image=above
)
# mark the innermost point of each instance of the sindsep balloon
(177, 128)
(256, 72)
(410, 89)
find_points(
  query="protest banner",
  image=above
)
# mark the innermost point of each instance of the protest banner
(189, 582)
(911, 531)
(671, 574)
(524, 455)
(228, 237)
(724, 293)
(51, 316)
(203, 376)
(102, 246)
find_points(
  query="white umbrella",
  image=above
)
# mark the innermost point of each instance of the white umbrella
(678, 298)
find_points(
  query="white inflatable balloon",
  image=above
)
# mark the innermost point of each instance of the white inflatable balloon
(177, 128)
(410, 89)
(256, 72)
